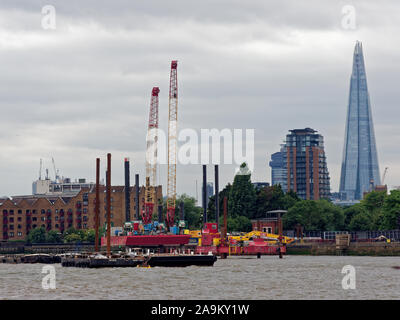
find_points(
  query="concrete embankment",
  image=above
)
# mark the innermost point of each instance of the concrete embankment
(354, 249)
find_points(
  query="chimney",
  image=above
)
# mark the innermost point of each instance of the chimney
(137, 196)
(127, 192)
(204, 194)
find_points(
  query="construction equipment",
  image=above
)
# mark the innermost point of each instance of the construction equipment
(272, 237)
(384, 175)
(151, 158)
(172, 144)
(56, 171)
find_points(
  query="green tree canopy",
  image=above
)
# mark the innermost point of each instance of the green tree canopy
(193, 214)
(37, 235)
(242, 197)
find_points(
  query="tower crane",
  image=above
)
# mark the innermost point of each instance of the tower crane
(384, 175)
(151, 158)
(172, 143)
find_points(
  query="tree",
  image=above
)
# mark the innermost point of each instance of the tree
(360, 222)
(242, 197)
(351, 212)
(267, 199)
(373, 203)
(90, 235)
(53, 237)
(37, 235)
(73, 237)
(391, 211)
(314, 215)
(193, 214)
(239, 223)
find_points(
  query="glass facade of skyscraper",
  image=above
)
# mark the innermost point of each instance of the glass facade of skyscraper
(360, 167)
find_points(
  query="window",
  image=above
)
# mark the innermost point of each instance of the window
(34, 211)
(11, 227)
(19, 226)
(19, 234)
(19, 211)
(56, 210)
(19, 219)
(11, 212)
(11, 219)
(56, 218)
(11, 234)
(34, 219)
(43, 211)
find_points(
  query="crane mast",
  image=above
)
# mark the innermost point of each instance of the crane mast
(172, 143)
(151, 158)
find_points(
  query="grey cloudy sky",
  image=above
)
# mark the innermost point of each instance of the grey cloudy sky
(83, 90)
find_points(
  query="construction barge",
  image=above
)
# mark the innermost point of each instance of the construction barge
(155, 260)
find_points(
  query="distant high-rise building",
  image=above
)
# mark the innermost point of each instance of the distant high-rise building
(278, 168)
(360, 169)
(209, 191)
(305, 163)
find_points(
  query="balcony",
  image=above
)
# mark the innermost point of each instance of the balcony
(29, 214)
(5, 220)
(5, 235)
(48, 213)
(69, 213)
(5, 213)
(69, 219)
(61, 213)
(5, 228)
(28, 220)
(78, 205)
(79, 213)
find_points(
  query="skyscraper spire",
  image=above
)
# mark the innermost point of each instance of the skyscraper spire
(360, 165)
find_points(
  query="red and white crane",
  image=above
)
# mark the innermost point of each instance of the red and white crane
(151, 158)
(172, 144)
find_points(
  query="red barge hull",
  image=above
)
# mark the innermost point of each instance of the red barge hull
(147, 240)
(236, 251)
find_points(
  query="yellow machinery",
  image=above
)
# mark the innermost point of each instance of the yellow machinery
(270, 237)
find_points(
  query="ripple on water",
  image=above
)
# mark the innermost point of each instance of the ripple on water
(294, 277)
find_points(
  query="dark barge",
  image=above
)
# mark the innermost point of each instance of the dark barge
(156, 260)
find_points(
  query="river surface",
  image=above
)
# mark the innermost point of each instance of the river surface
(293, 277)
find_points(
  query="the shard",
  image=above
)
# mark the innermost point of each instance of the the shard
(360, 169)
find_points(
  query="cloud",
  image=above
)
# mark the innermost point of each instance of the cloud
(83, 90)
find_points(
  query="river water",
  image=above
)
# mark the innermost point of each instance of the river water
(293, 277)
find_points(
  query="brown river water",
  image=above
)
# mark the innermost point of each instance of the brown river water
(293, 277)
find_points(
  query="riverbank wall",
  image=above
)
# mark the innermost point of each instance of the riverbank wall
(354, 249)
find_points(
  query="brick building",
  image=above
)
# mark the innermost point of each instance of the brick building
(305, 163)
(269, 223)
(20, 214)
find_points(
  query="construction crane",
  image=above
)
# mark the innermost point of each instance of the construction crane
(151, 158)
(40, 169)
(56, 176)
(384, 175)
(172, 143)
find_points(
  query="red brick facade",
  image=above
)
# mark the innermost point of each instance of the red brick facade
(20, 215)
